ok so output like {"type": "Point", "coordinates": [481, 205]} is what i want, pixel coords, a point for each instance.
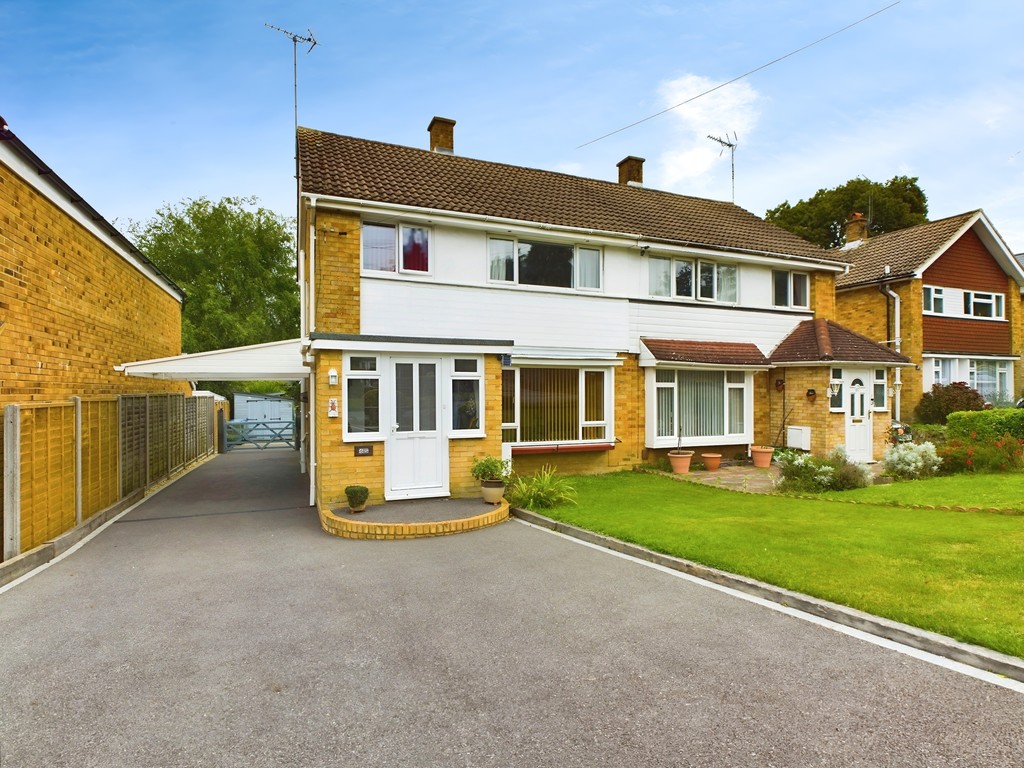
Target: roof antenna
{"type": "Point", "coordinates": [296, 39]}
{"type": "Point", "coordinates": [732, 151]}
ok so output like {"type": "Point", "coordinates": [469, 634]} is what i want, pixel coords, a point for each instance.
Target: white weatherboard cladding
{"type": "Point", "coordinates": [702, 323]}
{"type": "Point", "coordinates": [527, 317]}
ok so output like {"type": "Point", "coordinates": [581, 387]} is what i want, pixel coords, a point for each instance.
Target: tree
{"type": "Point", "coordinates": [235, 262]}
{"type": "Point", "coordinates": [896, 204]}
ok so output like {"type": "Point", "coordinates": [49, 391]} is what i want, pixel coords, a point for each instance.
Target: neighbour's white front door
{"type": "Point", "coordinates": [858, 415]}
{"type": "Point", "coordinates": [416, 450]}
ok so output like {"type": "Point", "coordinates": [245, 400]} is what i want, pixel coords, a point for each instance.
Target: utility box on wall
{"type": "Point", "coordinates": [798, 437]}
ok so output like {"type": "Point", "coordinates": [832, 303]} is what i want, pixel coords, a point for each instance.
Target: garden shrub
{"type": "Point", "coordinates": [909, 461]}
{"type": "Point", "coordinates": [986, 425]}
{"type": "Point", "coordinates": [944, 399]}
{"type": "Point", "coordinates": [935, 434]}
{"type": "Point", "coordinates": [804, 473]}
{"type": "Point", "coordinates": [982, 454]}
{"type": "Point", "coordinates": [540, 491]}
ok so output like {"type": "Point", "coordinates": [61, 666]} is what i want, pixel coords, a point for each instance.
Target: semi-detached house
{"type": "Point", "coordinates": [454, 308]}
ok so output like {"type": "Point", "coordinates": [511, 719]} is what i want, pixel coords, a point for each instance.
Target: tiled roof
{"type": "Point", "coordinates": [706, 352]}
{"type": "Point", "coordinates": [342, 166]}
{"type": "Point", "coordinates": [904, 251]}
{"type": "Point", "coordinates": [820, 341]}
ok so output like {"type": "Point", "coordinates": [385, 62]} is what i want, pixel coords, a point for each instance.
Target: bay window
{"type": "Point", "coordinates": [556, 405]}
{"type": "Point", "coordinates": [991, 378]}
{"type": "Point", "coordinates": [700, 406]}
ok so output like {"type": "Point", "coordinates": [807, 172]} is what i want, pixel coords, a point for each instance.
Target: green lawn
{"type": "Point", "coordinates": [1003, 491]}
{"type": "Point", "coordinates": [960, 574]}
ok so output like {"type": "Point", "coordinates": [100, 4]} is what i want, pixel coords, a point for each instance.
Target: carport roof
{"type": "Point", "coordinates": [274, 361]}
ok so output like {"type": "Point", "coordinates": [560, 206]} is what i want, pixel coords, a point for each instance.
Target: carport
{"type": "Point", "coordinates": [273, 361]}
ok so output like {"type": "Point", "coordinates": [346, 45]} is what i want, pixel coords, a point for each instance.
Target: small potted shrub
{"type": "Point", "coordinates": [357, 496]}
{"type": "Point", "coordinates": [493, 474]}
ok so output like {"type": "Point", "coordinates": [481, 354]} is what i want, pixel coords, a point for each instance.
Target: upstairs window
{"type": "Point", "coordinates": [978, 304]}
{"type": "Point", "coordinates": [396, 248]}
{"type": "Point", "coordinates": [554, 265]}
{"type": "Point", "coordinates": [934, 299]}
{"type": "Point", "coordinates": [791, 289]}
{"type": "Point", "coordinates": [693, 279]}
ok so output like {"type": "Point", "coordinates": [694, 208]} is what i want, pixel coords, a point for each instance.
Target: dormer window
{"type": "Point", "coordinates": [396, 248]}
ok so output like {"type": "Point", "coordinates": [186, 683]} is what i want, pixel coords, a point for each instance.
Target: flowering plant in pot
{"type": "Point", "coordinates": [493, 474]}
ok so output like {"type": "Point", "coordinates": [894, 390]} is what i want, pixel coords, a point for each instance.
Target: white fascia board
{"type": "Point", "coordinates": [275, 361]}
{"type": "Point", "coordinates": [409, 348]}
{"type": "Point", "coordinates": [31, 176]}
{"type": "Point", "coordinates": [498, 225]}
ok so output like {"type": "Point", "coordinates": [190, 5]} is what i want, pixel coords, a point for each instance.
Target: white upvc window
{"type": "Point", "coordinates": [934, 300]}
{"type": "Point", "coordinates": [683, 278]}
{"type": "Point", "coordinates": [991, 378]}
{"type": "Point", "coordinates": [699, 407]}
{"type": "Point", "coordinates": [361, 392]}
{"type": "Point", "coordinates": [542, 263]}
{"type": "Point", "coordinates": [879, 400]}
{"type": "Point", "coordinates": [982, 304]}
{"type": "Point", "coordinates": [942, 370]}
{"type": "Point", "coordinates": [395, 248]}
{"type": "Point", "coordinates": [467, 397]}
{"type": "Point", "coordinates": [791, 289]}
{"type": "Point", "coordinates": [835, 402]}
{"type": "Point", "coordinates": [548, 405]}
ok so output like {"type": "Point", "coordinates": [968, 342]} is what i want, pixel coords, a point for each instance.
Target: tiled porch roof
{"type": "Point", "coordinates": [705, 352]}
{"type": "Point", "coordinates": [820, 341]}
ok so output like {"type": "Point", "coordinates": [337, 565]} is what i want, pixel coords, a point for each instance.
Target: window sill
{"type": "Point", "coordinates": [527, 450]}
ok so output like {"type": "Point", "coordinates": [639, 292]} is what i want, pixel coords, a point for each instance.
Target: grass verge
{"type": "Point", "coordinates": [955, 573]}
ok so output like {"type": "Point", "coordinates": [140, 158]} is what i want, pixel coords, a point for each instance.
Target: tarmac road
{"type": "Point", "coordinates": [216, 625]}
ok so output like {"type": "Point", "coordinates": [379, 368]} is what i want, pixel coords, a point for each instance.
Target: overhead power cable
{"type": "Point", "coordinates": [739, 77]}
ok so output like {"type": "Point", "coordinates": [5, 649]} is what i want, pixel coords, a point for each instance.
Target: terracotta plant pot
{"type": "Point", "coordinates": [712, 461]}
{"type": "Point", "coordinates": [680, 461]}
{"type": "Point", "coordinates": [762, 455]}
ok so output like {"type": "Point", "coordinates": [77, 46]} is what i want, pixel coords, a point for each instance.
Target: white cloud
{"type": "Point", "coordinates": [692, 165]}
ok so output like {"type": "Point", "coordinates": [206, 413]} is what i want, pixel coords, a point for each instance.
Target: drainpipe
{"type": "Point", "coordinates": [897, 383]}
{"type": "Point", "coordinates": [311, 242]}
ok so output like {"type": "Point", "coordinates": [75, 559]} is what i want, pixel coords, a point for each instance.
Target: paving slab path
{"type": "Point", "coordinates": [217, 626]}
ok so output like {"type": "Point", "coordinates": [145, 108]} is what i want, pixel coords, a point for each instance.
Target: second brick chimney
{"type": "Point", "coordinates": [442, 135]}
{"type": "Point", "coordinates": [631, 171]}
{"type": "Point", "coordinates": [856, 228]}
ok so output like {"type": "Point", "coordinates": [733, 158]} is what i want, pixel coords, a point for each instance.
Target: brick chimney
{"type": "Point", "coordinates": [442, 135]}
{"type": "Point", "coordinates": [856, 228]}
{"type": "Point", "coordinates": [631, 171]}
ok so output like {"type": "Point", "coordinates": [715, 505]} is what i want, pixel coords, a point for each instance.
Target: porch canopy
{"type": "Point", "coordinates": [273, 361]}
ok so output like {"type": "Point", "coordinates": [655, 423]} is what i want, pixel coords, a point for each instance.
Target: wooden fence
{"type": "Point", "coordinates": [64, 463]}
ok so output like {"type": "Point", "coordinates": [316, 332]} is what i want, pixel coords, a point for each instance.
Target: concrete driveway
{"type": "Point", "coordinates": [216, 625]}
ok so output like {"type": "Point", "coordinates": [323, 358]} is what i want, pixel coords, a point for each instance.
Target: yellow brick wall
{"type": "Point", "coordinates": [823, 295]}
{"type": "Point", "coordinates": [72, 307]}
{"type": "Point", "coordinates": [792, 407]}
{"type": "Point", "coordinates": [1013, 314]}
{"type": "Point", "coordinates": [336, 263]}
{"type": "Point", "coordinates": [864, 310]}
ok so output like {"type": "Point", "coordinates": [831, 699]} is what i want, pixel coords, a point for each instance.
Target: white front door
{"type": "Point", "coordinates": [858, 415]}
{"type": "Point", "coordinates": [416, 450]}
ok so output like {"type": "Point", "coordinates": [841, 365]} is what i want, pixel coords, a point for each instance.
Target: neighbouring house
{"type": "Point", "coordinates": [76, 297]}
{"type": "Point", "coordinates": [455, 308]}
{"type": "Point", "coordinates": [947, 294]}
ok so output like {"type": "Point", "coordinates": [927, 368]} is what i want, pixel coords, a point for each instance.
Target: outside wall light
{"type": "Point", "coordinates": [833, 388]}
{"type": "Point", "coordinates": [332, 377]}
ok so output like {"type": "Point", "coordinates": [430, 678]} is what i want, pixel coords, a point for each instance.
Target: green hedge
{"type": "Point", "coordinates": [986, 425]}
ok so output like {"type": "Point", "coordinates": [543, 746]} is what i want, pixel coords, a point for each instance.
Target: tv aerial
{"type": "Point", "coordinates": [731, 146]}
{"type": "Point", "coordinates": [296, 39]}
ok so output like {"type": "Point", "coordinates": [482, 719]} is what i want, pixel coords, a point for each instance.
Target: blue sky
{"type": "Point", "coordinates": [138, 104]}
